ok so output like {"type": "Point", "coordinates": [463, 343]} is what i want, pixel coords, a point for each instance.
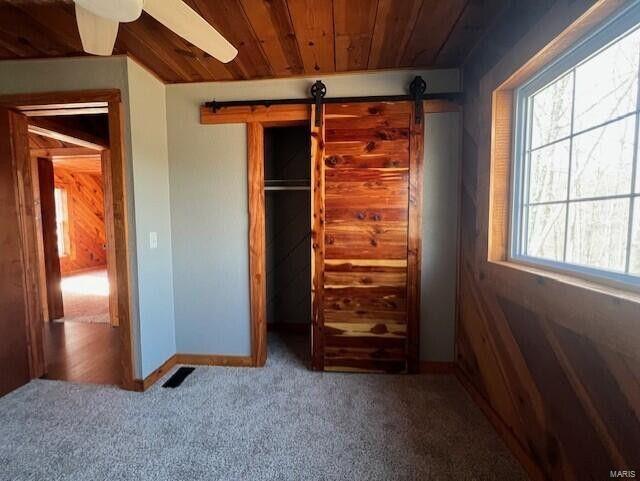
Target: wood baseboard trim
{"type": "Point", "coordinates": [144, 384]}
{"type": "Point", "coordinates": [214, 360]}
{"type": "Point", "coordinates": [503, 430]}
{"type": "Point", "coordinates": [437, 367]}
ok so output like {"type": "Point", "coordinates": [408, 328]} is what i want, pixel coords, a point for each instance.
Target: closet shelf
{"type": "Point", "coordinates": [287, 184]}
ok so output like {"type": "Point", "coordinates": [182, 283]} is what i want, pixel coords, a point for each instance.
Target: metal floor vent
{"type": "Point", "coordinates": [178, 377]}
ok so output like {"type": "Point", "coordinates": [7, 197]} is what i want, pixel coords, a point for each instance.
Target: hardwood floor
{"type": "Point", "coordinates": [82, 352]}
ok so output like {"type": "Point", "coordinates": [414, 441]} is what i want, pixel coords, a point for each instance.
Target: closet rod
{"type": "Point", "coordinates": [287, 187]}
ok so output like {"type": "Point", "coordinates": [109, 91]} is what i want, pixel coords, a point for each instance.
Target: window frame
{"type": "Point", "coordinates": [594, 42]}
{"type": "Point", "coordinates": [64, 222]}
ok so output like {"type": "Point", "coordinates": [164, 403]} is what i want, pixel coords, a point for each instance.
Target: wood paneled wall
{"type": "Point", "coordinates": [557, 362]}
{"type": "Point", "coordinates": [85, 198]}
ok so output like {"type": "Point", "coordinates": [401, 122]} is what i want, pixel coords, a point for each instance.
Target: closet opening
{"type": "Point", "coordinates": [287, 165]}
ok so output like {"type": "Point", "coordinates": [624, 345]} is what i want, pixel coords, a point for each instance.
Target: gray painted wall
{"type": "Point", "coordinates": [440, 234]}
{"type": "Point", "coordinates": [209, 221]}
{"type": "Point", "coordinates": [209, 218]}
{"type": "Point", "coordinates": [148, 121]}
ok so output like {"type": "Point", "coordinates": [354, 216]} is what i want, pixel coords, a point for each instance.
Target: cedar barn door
{"type": "Point", "coordinates": [366, 204]}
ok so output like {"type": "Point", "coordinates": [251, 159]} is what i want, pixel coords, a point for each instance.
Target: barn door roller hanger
{"type": "Point", "coordinates": [417, 93]}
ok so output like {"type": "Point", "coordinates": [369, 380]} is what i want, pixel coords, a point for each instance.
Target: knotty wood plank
{"type": "Point", "coordinates": [387, 161]}
{"type": "Point", "coordinates": [229, 18]}
{"type": "Point", "coordinates": [385, 298]}
{"type": "Point", "coordinates": [313, 24]}
{"type": "Point", "coordinates": [353, 22]}
{"type": "Point", "coordinates": [395, 21]}
{"type": "Point", "coordinates": [366, 329]}
{"type": "Point", "coordinates": [339, 214]}
{"type": "Point", "coordinates": [365, 280]}
{"type": "Point", "coordinates": [400, 317]}
{"type": "Point", "coordinates": [350, 120]}
{"type": "Point", "coordinates": [366, 241]}
{"type": "Point", "coordinates": [432, 29]}
{"type": "Point", "coordinates": [359, 111]}
{"type": "Point", "coordinates": [355, 134]}
{"type": "Point", "coordinates": [273, 28]}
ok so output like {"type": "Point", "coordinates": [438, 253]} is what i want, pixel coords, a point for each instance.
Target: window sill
{"type": "Point", "coordinates": [577, 280]}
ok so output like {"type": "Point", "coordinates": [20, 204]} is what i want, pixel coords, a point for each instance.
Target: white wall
{"type": "Point", "coordinates": [209, 216]}
{"type": "Point", "coordinates": [148, 121]}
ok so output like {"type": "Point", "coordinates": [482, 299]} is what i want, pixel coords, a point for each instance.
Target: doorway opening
{"type": "Point", "coordinates": [288, 240]}
{"type": "Point", "coordinates": [64, 207]}
{"type": "Point", "coordinates": [80, 331]}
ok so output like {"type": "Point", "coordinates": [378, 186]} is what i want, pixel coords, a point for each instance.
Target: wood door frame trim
{"type": "Point", "coordinates": [414, 240]}
{"type": "Point", "coordinates": [256, 206]}
{"type": "Point", "coordinates": [317, 240]}
{"type": "Point", "coordinates": [119, 207]}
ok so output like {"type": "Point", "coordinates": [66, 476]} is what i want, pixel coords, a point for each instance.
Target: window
{"type": "Point", "coordinates": [62, 221]}
{"type": "Point", "coordinates": [576, 181]}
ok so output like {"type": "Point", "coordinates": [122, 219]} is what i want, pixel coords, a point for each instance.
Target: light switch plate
{"type": "Point", "coordinates": [153, 240]}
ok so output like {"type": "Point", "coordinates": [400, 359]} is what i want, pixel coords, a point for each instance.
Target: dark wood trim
{"type": "Point", "coordinates": [214, 360]}
{"type": "Point", "coordinates": [51, 256]}
{"type": "Point", "coordinates": [317, 242]}
{"type": "Point", "coordinates": [257, 248]}
{"type": "Point", "coordinates": [157, 374]}
{"type": "Point", "coordinates": [437, 367]}
{"type": "Point", "coordinates": [120, 240]}
{"type": "Point", "coordinates": [29, 101]}
{"type": "Point", "coordinates": [504, 431]}
{"type": "Point", "coordinates": [55, 112]}
{"type": "Point", "coordinates": [46, 127]}
{"type": "Point", "coordinates": [112, 273]}
{"type": "Point", "coordinates": [414, 240]}
{"type": "Point", "coordinates": [63, 152]}
{"type": "Point", "coordinates": [249, 114]}
{"type": "Point", "coordinates": [26, 216]}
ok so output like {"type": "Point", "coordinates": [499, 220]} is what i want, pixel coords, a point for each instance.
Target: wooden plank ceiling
{"type": "Point", "coordinates": [275, 38]}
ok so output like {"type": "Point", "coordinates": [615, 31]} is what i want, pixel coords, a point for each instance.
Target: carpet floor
{"type": "Point", "coordinates": [282, 422]}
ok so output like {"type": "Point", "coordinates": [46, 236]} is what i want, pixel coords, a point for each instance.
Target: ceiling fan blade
{"type": "Point", "coordinates": [117, 10]}
{"type": "Point", "coordinates": [179, 17]}
{"type": "Point", "coordinates": [98, 34]}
